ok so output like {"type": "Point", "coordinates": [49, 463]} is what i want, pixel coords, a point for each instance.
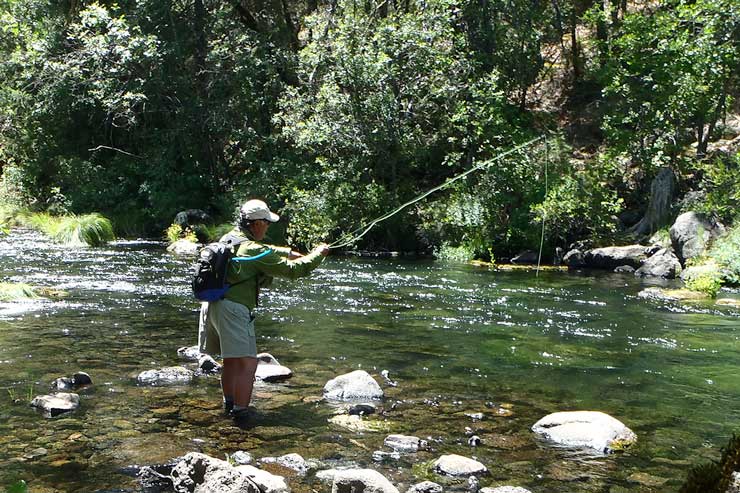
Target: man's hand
{"type": "Point", "coordinates": [323, 249]}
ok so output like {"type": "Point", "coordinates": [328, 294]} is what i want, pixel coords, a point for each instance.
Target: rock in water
{"type": "Point", "coordinates": [208, 364]}
{"type": "Point", "coordinates": [269, 370]}
{"type": "Point", "coordinates": [613, 257]}
{"type": "Point", "coordinates": [165, 376]}
{"type": "Point", "coordinates": [404, 443]}
{"type": "Point", "coordinates": [189, 353]}
{"type": "Point", "coordinates": [353, 386]}
{"type": "Point", "coordinates": [505, 489]}
{"type": "Point", "coordinates": [56, 404]}
{"type": "Point", "coordinates": [184, 247]}
{"type": "Point", "coordinates": [458, 466]}
{"type": "Point", "coordinates": [425, 487]}
{"type": "Point", "coordinates": [589, 429]}
{"type": "Point", "coordinates": [364, 480]}
{"type": "Point", "coordinates": [289, 461]}
{"type": "Point", "coordinates": [662, 264]}
{"type": "Point", "coordinates": [199, 472]}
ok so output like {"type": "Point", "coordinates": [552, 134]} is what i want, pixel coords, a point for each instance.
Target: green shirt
{"type": "Point", "coordinates": [247, 276]}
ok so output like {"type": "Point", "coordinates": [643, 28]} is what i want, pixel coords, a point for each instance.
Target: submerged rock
{"type": "Point", "coordinates": [625, 269]}
{"type": "Point", "coordinates": [661, 294]}
{"type": "Point", "coordinates": [290, 461]}
{"type": "Point", "coordinates": [589, 429]}
{"type": "Point", "coordinates": [353, 386]}
{"type": "Point", "coordinates": [459, 466]}
{"type": "Point", "coordinates": [165, 376]}
{"type": "Point", "coordinates": [691, 233]}
{"type": "Point", "coordinates": [364, 480]}
{"type": "Point", "coordinates": [269, 370]}
{"type": "Point", "coordinates": [663, 263]}
{"type": "Point", "coordinates": [404, 443]}
{"type": "Point", "coordinates": [357, 423]}
{"type": "Point", "coordinates": [505, 489]}
{"type": "Point", "coordinates": [362, 409]}
{"type": "Point", "coordinates": [425, 487]}
{"type": "Point", "coordinates": [56, 404]}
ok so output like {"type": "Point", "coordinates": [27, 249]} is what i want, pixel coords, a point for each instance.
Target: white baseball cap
{"type": "Point", "coordinates": [256, 209]}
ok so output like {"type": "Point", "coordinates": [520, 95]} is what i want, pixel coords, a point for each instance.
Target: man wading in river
{"type": "Point", "coordinates": [227, 326]}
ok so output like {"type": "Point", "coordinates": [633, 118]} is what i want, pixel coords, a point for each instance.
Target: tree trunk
{"type": "Point", "coordinates": [662, 190]}
{"type": "Point", "coordinates": [574, 46]}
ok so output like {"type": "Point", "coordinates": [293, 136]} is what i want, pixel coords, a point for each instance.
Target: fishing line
{"type": "Point", "coordinates": [352, 237]}
{"type": "Point", "coordinates": [544, 210]}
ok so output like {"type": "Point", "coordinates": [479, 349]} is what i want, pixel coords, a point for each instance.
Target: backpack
{"type": "Point", "coordinates": [209, 277]}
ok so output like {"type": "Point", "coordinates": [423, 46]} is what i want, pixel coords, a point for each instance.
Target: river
{"type": "Point", "coordinates": [457, 339]}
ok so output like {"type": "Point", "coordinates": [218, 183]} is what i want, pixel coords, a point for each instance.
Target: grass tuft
{"type": "Point", "coordinates": [16, 291]}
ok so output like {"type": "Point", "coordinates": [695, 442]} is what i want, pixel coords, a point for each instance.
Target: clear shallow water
{"type": "Point", "coordinates": [457, 339]}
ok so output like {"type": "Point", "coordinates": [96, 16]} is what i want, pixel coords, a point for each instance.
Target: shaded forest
{"type": "Point", "coordinates": [337, 112]}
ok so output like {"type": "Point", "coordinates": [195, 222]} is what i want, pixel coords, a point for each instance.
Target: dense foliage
{"type": "Point", "coordinates": [338, 112]}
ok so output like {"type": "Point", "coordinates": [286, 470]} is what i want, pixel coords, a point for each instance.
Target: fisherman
{"type": "Point", "coordinates": [227, 326]}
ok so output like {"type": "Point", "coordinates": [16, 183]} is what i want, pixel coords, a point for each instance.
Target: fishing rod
{"type": "Point", "coordinates": [354, 235]}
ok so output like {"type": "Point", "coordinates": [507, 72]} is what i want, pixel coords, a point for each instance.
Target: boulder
{"type": "Point", "coordinates": [691, 233]}
{"type": "Point", "coordinates": [613, 257]}
{"type": "Point", "coordinates": [152, 480]}
{"type": "Point", "coordinates": [624, 269]}
{"type": "Point", "coordinates": [356, 480]}
{"type": "Point", "coordinates": [290, 461]}
{"type": "Point", "coordinates": [208, 364]}
{"type": "Point", "coordinates": [189, 353]}
{"type": "Point", "coordinates": [458, 466]}
{"type": "Point", "coordinates": [526, 257]}
{"type": "Point", "coordinates": [200, 473]}
{"type": "Point", "coordinates": [585, 429]}
{"type": "Point", "coordinates": [268, 483]}
{"type": "Point", "coordinates": [425, 487]}
{"type": "Point", "coordinates": [165, 376]}
{"type": "Point", "coordinates": [190, 217]}
{"type": "Point", "coordinates": [56, 404]}
{"type": "Point", "coordinates": [269, 370]}
{"type": "Point", "coordinates": [77, 380]}
{"type": "Point", "coordinates": [404, 443]}
{"type": "Point", "coordinates": [574, 259]}
{"type": "Point", "coordinates": [663, 263]}
{"type": "Point", "coordinates": [184, 247]}
{"type": "Point", "coordinates": [505, 489]}
{"type": "Point", "coordinates": [356, 385]}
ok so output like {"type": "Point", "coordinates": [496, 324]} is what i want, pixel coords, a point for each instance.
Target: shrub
{"type": "Point", "coordinates": [725, 251]}
{"type": "Point", "coordinates": [175, 233]}
{"type": "Point", "coordinates": [715, 477]}
{"type": "Point", "coordinates": [704, 276]}
{"type": "Point", "coordinates": [455, 253]}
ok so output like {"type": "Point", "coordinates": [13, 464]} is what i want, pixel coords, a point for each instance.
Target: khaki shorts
{"type": "Point", "coordinates": [226, 328]}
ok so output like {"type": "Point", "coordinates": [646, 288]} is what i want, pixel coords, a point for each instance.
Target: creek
{"type": "Point", "coordinates": [458, 340]}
